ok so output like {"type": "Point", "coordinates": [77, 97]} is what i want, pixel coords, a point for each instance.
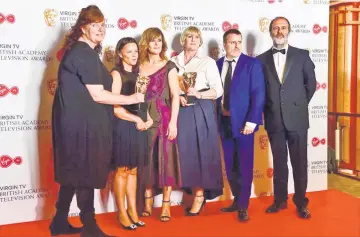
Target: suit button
{"type": "Point", "coordinates": [282, 103]}
{"type": "Point", "coordinates": [282, 90]}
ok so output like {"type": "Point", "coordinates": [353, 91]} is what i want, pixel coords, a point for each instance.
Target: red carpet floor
{"type": "Point", "coordinates": [333, 214]}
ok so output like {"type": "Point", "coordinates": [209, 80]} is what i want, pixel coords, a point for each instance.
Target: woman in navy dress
{"type": "Point", "coordinates": [199, 146]}
{"type": "Point", "coordinates": [82, 118]}
{"type": "Point", "coordinates": [130, 133]}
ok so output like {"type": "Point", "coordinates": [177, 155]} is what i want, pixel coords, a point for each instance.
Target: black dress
{"type": "Point", "coordinates": [82, 128]}
{"type": "Point", "coordinates": [130, 145]}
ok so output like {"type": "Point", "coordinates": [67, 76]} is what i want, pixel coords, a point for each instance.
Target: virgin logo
{"type": "Point", "coordinates": [9, 18]}
{"type": "Point", "coordinates": [4, 90]}
{"type": "Point", "coordinates": [317, 141]}
{"type": "Point", "coordinates": [317, 29]}
{"type": "Point", "coordinates": [320, 86]}
{"type": "Point", "coordinates": [174, 53]}
{"type": "Point", "coordinates": [227, 26]}
{"type": "Point", "coordinates": [6, 161]}
{"type": "Point", "coordinates": [273, 1]}
{"type": "Point", "coordinates": [123, 23]}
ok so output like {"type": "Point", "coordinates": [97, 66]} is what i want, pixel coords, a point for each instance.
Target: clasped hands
{"type": "Point", "coordinates": [171, 132]}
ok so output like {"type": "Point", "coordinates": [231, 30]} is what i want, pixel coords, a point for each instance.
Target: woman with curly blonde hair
{"type": "Point", "coordinates": [162, 96]}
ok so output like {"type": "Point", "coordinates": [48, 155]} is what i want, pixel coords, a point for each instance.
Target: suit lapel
{"type": "Point", "coordinates": [271, 64]}
{"type": "Point", "coordinates": [289, 62]}
{"type": "Point", "coordinates": [239, 65]}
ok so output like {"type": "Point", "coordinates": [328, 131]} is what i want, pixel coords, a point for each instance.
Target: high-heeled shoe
{"type": "Point", "coordinates": [164, 218]}
{"type": "Point", "coordinates": [147, 213]}
{"type": "Point", "coordinates": [202, 207]}
{"type": "Point", "coordinates": [129, 227]}
{"type": "Point", "coordinates": [138, 224]}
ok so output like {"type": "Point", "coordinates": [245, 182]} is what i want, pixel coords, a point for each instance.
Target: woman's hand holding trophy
{"type": "Point", "coordinates": [187, 83]}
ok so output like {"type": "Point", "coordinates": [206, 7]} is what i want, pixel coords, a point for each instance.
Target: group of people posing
{"type": "Point", "coordinates": [166, 137]}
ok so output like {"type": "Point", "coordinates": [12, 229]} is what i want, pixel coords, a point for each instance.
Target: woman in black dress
{"type": "Point", "coordinates": [130, 135]}
{"type": "Point", "coordinates": [82, 120]}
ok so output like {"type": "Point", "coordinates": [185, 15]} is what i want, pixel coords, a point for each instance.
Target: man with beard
{"type": "Point", "coordinates": [290, 85]}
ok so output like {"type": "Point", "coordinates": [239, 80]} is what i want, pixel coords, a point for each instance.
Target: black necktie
{"type": "Point", "coordinates": [227, 84]}
{"type": "Point", "coordinates": [278, 51]}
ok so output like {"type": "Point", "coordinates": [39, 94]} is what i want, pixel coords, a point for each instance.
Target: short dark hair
{"type": "Point", "coordinates": [119, 46]}
{"type": "Point", "coordinates": [277, 18]}
{"type": "Point", "coordinates": [231, 31]}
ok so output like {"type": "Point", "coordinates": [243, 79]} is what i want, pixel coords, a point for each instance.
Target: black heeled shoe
{"type": "Point", "coordinates": [147, 213]}
{"type": "Point", "coordinates": [138, 224]}
{"type": "Point", "coordinates": [202, 207]}
{"type": "Point", "coordinates": [165, 218]}
{"type": "Point", "coordinates": [130, 227]}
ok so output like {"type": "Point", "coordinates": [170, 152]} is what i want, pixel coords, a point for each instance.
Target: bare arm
{"type": "Point", "coordinates": [121, 112]}
{"type": "Point", "coordinates": [175, 98]}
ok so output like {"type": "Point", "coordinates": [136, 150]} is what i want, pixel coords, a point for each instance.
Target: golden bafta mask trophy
{"type": "Point", "coordinates": [141, 85]}
{"type": "Point", "coordinates": [186, 81]}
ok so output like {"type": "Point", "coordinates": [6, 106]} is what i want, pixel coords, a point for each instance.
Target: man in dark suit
{"type": "Point", "coordinates": [239, 113]}
{"type": "Point", "coordinates": [290, 85]}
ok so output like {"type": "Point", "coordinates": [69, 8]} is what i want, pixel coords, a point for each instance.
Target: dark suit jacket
{"type": "Point", "coordinates": [287, 103]}
{"type": "Point", "coordinates": [247, 95]}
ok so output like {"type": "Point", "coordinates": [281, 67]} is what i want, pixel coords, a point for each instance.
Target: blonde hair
{"type": "Point", "coordinates": [149, 35]}
{"type": "Point", "coordinates": [188, 31]}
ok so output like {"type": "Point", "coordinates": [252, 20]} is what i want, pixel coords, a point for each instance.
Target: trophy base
{"type": "Point", "coordinates": [191, 100]}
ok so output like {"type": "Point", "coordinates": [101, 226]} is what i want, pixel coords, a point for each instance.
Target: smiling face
{"type": "Point", "coordinates": [280, 32]}
{"type": "Point", "coordinates": [192, 42]}
{"type": "Point", "coordinates": [95, 32]}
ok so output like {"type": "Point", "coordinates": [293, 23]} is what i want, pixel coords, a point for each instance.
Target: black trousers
{"type": "Point", "coordinates": [85, 202]}
{"type": "Point", "coordinates": [296, 143]}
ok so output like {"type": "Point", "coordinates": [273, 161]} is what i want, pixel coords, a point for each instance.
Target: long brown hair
{"type": "Point", "coordinates": [87, 16]}
{"type": "Point", "coordinates": [149, 35]}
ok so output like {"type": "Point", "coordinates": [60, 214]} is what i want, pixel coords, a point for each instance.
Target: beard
{"type": "Point", "coordinates": [279, 40]}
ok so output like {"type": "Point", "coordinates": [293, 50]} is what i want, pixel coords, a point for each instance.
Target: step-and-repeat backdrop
{"type": "Point", "coordinates": [31, 37]}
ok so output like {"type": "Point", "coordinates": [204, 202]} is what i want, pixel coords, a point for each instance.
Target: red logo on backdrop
{"type": "Point", "coordinates": [320, 85]}
{"type": "Point", "coordinates": [227, 26]}
{"type": "Point", "coordinates": [123, 23]}
{"type": "Point", "coordinates": [317, 29]}
{"type": "Point", "coordinates": [6, 161]}
{"type": "Point", "coordinates": [9, 18]}
{"type": "Point", "coordinates": [174, 53]}
{"type": "Point", "coordinates": [273, 1]}
{"type": "Point", "coordinates": [270, 173]}
{"type": "Point", "coordinates": [317, 141]}
{"type": "Point", "coordinates": [263, 141]}
{"type": "Point", "coordinates": [4, 90]}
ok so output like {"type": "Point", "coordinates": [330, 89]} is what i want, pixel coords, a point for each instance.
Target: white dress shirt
{"type": "Point", "coordinates": [279, 61]}
{"type": "Point", "coordinates": [223, 75]}
{"type": "Point", "coordinates": [207, 72]}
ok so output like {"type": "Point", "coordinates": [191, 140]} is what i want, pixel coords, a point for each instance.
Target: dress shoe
{"type": "Point", "coordinates": [276, 207]}
{"type": "Point", "coordinates": [243, 215]}
{"type": "Point", "coordinates": [61, 226]}
{"type": "Point", "coordinates": [230, 208]}
{"type": "Point", "coordinates": [304, 213]}
{"type": "Point", "coordinates": [68, 230]}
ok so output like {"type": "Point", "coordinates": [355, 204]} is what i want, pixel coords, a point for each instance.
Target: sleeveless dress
{"type": "Point", "coordinates": [163, 168]}
{"type": "Point", "coordinates": [130, 146]}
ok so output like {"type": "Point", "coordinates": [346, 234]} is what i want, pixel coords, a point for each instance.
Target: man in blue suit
{"type": "Point", "coordinates": [239, 113]}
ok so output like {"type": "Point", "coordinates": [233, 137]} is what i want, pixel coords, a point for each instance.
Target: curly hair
{"type": "Point", "coordinates": [149, 35]}
{"type": "Point", "coordinates": [119, 46]}
{"type": "Point", "coordinates": [87, 16]}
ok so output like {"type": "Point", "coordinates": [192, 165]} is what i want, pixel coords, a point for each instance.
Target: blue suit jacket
{"type": "Point", "coordinates": [247, 95]}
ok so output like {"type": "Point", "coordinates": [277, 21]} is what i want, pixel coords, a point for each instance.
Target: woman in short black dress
{"type": "Point", "coordinates": [130, 133]}
{"type": "Point", "coordinates": [82, 120]}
